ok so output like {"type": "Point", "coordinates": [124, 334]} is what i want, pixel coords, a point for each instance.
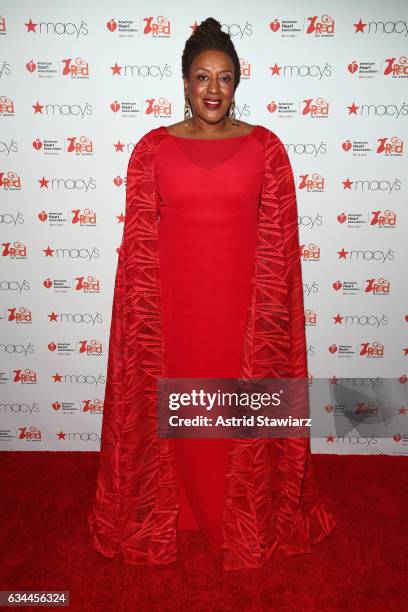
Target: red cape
{"type": "Point", "coordinates": [272, 505]}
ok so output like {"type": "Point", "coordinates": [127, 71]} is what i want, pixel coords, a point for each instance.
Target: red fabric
{"type": "Point", "coordinates": [206, 250]}
{"type": "Point", "coordinates": [203, 197]}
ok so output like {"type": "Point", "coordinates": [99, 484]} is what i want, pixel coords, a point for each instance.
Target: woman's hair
{"type": "Point", "coordinates": [208, 35]}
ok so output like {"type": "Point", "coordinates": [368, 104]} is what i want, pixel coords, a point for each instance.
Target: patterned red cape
{"type": "Point", "coordinates": [272, 507]}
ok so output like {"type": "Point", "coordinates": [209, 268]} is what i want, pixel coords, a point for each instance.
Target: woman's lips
{"type": "Point", "coordinates": [212, 105]}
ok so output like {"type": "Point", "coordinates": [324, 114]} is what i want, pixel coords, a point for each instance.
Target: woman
{"type": "Point", "coordinates": [208, 284]}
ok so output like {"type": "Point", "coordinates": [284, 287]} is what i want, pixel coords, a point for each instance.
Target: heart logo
{"type": "Point", "coordinates": [397, 437]}
{"type": "Point", "coordinates": [52, 346]}
{"type": "Point", "coordinates": [118, 181]}
{"type": "Point", "coordinates": [346, 145]}
{"type": "Point", "coordinates": [272, 106]}
{"type": "Point", "coordinates": [274, 25]}
{"type": "Point", "coordinates": [329, 407]}
{"type": "Point", "coordinates": [31, 66]}
{"type": "Point", "coordinates": [37, 144]}
{"type": "Point", "coordinates": [115, 106]}
{"type": "Point", "coordinates": [112, 25]}
{"type": "Point", "coordinates": [56, 405]}
{"type": "Point", "coordinates": [333, 348]}
{"type": "Point", "coordinates": [337, 285]}
{"type": "Point", "coordinates": [47, 283]}
{"type": "Point", "coordinates": [42, 216]}
{"type": "Point", "coordinates": [403, 379]}
{"type": "Point", "coordinates": [341, 218]}
{"type": "Point", "coordinates": [353, 67]}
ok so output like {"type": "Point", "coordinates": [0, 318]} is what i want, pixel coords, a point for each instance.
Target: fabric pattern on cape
{"type": "Point", "coordinates": [272, 507]}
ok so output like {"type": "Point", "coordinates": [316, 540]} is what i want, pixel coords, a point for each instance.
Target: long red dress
{"type": "Point", "coordinates": [208, 285]}
{"type": "Point", "coordinates": [207, 240]}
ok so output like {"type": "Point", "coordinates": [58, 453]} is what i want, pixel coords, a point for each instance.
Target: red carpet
{"type": "Point", "coordinates": [362, 565]}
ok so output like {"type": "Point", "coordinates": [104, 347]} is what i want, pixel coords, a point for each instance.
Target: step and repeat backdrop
{"type": "Point", "coordinates": [81, 83]}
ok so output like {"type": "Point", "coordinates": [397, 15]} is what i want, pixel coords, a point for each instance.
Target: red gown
{"type": "Point", "coordinates": [209, 197]}
{"type": "Point", "coordinates": [208, 284]}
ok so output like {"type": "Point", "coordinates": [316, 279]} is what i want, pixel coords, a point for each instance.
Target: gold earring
{"type": "Point", "coordinates": [234, 121]}
{"type": "Point", "coordinates": [187, 111]}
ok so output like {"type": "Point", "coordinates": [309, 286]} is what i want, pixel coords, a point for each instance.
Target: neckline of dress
{"type": "Point", "coordinates": [211, 139]}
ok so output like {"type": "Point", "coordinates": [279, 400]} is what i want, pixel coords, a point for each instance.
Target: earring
{"type": "Point", "coordinates": [234, 121]}
{"type": "Point", "coordinates": [187, 111]}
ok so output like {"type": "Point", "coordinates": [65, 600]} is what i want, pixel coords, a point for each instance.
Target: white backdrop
{"type": "Point", "coordinates": [80, 84]}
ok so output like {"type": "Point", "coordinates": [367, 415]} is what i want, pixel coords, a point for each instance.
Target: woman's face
{"type": "Point", "coordinates": [211, 78]}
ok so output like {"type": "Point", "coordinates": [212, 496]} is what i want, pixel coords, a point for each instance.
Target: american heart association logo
{"type": "Point", "coordinates": [111, 25]}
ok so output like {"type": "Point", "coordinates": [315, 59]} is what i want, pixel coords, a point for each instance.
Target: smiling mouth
{"type": "Point", "coordinates": [212, 104]}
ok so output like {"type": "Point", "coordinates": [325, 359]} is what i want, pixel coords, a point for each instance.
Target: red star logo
{"type": "Point", "coordinates": [53, 316]}
{"type": "Point", "coordinates": [402, 410]}
{"type": "Point", "coordinates": [38, 107]}
{"type": "Point", "coordinates": [31, 26]}
{"type": "Point", "coordinates": [57, 377]}
{"type": "Point", "coordinates": [116, 69]}
{"type": "Point", "coordinates": [338, 318]}
{"type": "Point", "coordinates": [330, 438]}
{"type": "Point", "coordinates": [44, 182]}
{"type": "Point", "coordinates": [120, 218]}
{"type": "Point", "coordinates": [193, 27]}
{"type": "Point", "coordinates": [48, 251]}
{"type": "Point", "coordinates": [119, 146]}
{"type": "Point", "coordinates": [61, 435]}
{"type": "Point", "coordinates": [275, 69]}
{"type": "Point", "coordinates": [353, 109]}
{"type": "Point", "coordinates": [342, 254]}
{"type": "Point", "coordinates": [347, 183]}
{"type": "Point", "coordinates": [359, 26]}
{"type": "Point", "coordinates": [333, 380]}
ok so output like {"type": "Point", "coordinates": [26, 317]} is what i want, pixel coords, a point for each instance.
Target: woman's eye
{"type": "Point", "coordinates": [226, 79]}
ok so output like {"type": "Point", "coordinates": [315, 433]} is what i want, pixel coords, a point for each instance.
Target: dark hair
{"type": "Point", "coordinates": [208, 35]}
